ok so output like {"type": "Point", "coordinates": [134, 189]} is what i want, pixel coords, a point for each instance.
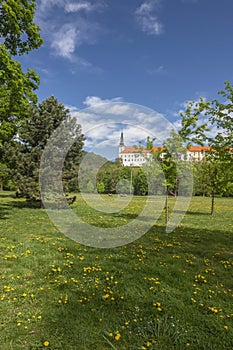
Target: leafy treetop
{"type": "Point", "coordinates": [17, 28]}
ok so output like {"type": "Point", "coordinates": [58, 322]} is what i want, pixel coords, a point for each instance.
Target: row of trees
{"type": "Point", "coordinates": [159, 176]}
{"type": "Point", "coordinates": [26, 126]}
{"type": "Point", "coordinates": [23, 159]}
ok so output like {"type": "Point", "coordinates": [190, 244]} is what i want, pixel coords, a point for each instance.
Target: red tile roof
{"type": "Point", "coordinates": [135, 150]}
{"type": "Point", "coordinates": [198, 148]}
{"type": "Point", "coordinates": [160, 148]}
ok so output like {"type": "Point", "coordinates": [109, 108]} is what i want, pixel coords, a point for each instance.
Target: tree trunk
{"type": "Point", "coordinates": [166, 207]}
{"type": "Point", "coordinates": [176, 188]}
{"type": "Point", "coordinates": [212, 203]}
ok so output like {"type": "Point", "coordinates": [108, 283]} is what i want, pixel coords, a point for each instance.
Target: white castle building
{"type": "Point", "coordinates": [132, 156]}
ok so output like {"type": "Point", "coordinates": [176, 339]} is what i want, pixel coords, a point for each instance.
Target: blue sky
{"type": "Point", "coordinates": [155, 53]}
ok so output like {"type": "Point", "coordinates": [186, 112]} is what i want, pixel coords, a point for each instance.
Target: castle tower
{"type": "Point", "coordinates": [122, 144]}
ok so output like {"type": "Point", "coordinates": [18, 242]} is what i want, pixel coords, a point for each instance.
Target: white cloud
{"type": "Point", "coordinates": [65, 25]}
{"type": "Point", "coordinates": [64, 41]}
{"type": "Point", "coordinates": [91, 101]}
{"type": "Point", "coordinates": [103, 120]}
{"type": "Point", "coordinates": [145, 8]}
{"type": "Point", "coordinates": [109, 107]}
{"type": "Point", "coordinates": [147, 18]}
{"type": "Point", "coordinates": [114, 106]}
{"type": "Point", "coordinates": [45, 6]}
{"type": "Point", "coordinates": [80, 6]}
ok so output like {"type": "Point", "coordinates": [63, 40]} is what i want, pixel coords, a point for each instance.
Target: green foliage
{"type": "Point", "coordinates": [109, 174]}
{"type": "Point", "coordinates": [100, 187]}
{"type": "Point", "coordinates": [172, 159]}
{"type": "Point", "coordinates": [140, 183]}
{"type": "Point", "coordinates": [90, 187]}
{"type": "Point", "coordinates": [3, 175]}
{"type": "Point", "coordinates": [154, 177]}
{"type": "Point", "coordinates": [220, 115]}
{"type": "Point", "coordinates": [24, 154]}
{"type": "Point", "coordinates": [125, 180]}
{"type": "Point", "coordinates": [17, 28]}
{"type": "Point", "coordinates": [16, 93]}
{"type": "Point", "coordinates": [19, 35]}
{"type": "Point", "coordinates": [90, 167]}
{"type": "Point", "coordinates": [124, 186]}
{"type": "Point", "coordinates": [150, 142]}
{"type": "Point", "coordinates": [212, 176]}
{"type": "Point", "coordinates": [190, 130]}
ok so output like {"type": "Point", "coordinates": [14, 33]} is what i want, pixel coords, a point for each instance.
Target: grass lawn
{"type": "Point", "coordinates": [163, 291]}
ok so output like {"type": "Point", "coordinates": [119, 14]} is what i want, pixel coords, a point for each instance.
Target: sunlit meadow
{"type": "Point", "coordinates": [163, 291]}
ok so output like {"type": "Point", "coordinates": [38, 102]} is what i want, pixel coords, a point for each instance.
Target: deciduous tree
{"type": "Point", "coordinates": [217, 113]}
{"type": "Point", "coordinates": [19, 35]}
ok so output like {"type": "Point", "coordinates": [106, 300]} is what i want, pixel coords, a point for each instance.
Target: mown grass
{"type": "Point", "coordinates": [163, 291]}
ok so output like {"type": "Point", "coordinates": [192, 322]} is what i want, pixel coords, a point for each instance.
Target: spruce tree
{"type": "Point", "coordinates": [25, 152]}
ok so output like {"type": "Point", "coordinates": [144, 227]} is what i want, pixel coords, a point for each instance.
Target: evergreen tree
{"type": "Point", "coordinates": [25, 152]}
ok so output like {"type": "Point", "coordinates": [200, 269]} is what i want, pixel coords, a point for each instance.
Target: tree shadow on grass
{"type": "Point", "coordinates": [22, 204]}
{"type": "Point", "coordinates": [6, 195]}
{"type": "Point", "coordinates": [77, 324]}
{"type": "Point", "coordinates": [4, 211]}
{"type": "Point", "coordinates": [192, 213]}
{"type": "Point", "coordinates": [127, 216]}
{"type": "Point", "coordinates": [9, 202]}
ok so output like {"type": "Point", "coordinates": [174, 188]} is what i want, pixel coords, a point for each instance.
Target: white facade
{"type": "Point", "coordinates": [134, 157]}
{"type": "Point", "coordinates": [137, 157]}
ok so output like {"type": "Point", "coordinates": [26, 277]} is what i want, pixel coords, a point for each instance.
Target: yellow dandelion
{"type": "Point", "coordinates": [46, 343]}
{"type": "Point", "coordinates": [117, 336]}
